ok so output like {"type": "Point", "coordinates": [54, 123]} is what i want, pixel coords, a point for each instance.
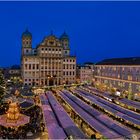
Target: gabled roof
{"type": "Point", "coordinates": [89, 63]}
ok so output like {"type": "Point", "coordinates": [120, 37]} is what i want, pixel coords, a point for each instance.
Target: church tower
{"type": "Point", "coordinates": [65, 44]}
{"type": "Point", "coordinates": [26, 43]}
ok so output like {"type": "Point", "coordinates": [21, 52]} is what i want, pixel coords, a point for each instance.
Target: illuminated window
{"type": "Point", "coordinates": [114, 68]}
{"type": "Point", "coordinates": [138, 87]}
{"type": "Point", "coordinates": [129, 77]}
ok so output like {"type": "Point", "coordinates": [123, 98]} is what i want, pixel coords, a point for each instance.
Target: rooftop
{"type": "Point", "coordinates": [26, 34]}
{"type": "Point", "coordinates": [120, 61]}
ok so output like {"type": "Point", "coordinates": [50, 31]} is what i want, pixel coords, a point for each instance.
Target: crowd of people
{"type": "Point", "coordinates": [35, 125]}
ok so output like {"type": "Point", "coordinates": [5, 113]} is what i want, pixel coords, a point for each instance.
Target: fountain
{"type": "Point", "coordinates": [13, 118]}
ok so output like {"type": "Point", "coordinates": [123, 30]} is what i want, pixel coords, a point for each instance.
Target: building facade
{"type": "Point", "coordinates": [12, 74]}
{"type": "Point", "coordinates": [84, 74]}
{"type": "Point", "coordinates": [121, 73]}
{"type": "Point", "coordinates": [50, 63]}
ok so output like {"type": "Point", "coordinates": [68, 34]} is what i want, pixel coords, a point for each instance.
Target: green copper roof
{"type": "Point", "coordinates": [64, 36]}
{"type": "Point", "coordinates": [26, 34]}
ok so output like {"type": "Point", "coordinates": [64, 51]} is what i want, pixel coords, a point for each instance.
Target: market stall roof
{"type": "Point", "coordinates": [20, 122]}
{"type": "Point", "coordinates": [28, 94]}
{"type": "Point", "coordinates": [26, 105]}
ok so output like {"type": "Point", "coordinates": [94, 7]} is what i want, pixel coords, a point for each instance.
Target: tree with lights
{"type": "Point", "coordinates": [130, 95]}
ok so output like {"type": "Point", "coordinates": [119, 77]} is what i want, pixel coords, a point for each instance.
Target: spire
{"type": "Point", "coordinates": [51, 32]}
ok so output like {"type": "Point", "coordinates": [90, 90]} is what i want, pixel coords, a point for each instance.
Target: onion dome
{"type": "Point", "coordinates": [26, 34]}
{"type": "Point", "coordinates": [64, 36]}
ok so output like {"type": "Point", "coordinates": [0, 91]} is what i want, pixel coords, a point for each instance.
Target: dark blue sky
{"type": "Point", "coordinates": [97, 30]}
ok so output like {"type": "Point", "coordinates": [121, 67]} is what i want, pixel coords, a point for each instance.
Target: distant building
{"type": "Point", "coordinates": [120, 73]}
{"type": "Point", "coordinates": [89, 64]}
{"type": "Point", "coordinates": [84, 74]}
{"type": "Point", "coordinates": [12, 74]}
{"type": "Point", "coordinates": [92, 66]}
{"type": "Point", "coordinates": [50, 63]}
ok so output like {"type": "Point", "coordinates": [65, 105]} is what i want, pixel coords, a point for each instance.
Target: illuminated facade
{"type": "Point", "coordinates": [84, 74]}
{"type": "Point", "coordinates": [13, 74]}
{"type": "Point", "coordinates": [120, 73]}
{"type": "Point", "coordinates": [49, 63]}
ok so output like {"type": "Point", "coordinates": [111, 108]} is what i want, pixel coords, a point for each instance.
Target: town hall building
{"type": "Point", "coordinates": [50, 63]}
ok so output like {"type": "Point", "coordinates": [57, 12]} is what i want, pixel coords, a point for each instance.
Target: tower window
{"type": "Point", "coordinates": [27, 51]}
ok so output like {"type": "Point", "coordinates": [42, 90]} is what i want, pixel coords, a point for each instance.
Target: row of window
{"type": "Point", "coordinates": [31, 80]}
{"type": "Point", "coordinates": [123, 77]}
{"type": "Point", "coordinates": [51, 55]}
{"type": "Point", "coordinates": [31, 66]}
{"type": "Point", "coordinates": [56, 67]}
{"type": "Point", "coordinates": [47, 74]}
{"type": "Point", "coordinates": [66, 73]}
{"type": "Point", "coordinates": [50, 49]}
{"type": "Point", "coordinates": [51, 52]}
{"type": "Point", "coordinates": [31, 84]}
{"type": "Point", "coordinates": [69, 60]}
{"type": "Point", "coordinates": [120, 69]}
{"type": "Point", "coordinates": [50, 63]}
{"type": "Point", "coordinates": [68, 79]}
{"type": "Point", "coordinates": [27, 42]}
{"type": "Point", "coordinates": [68, 66]}
{"type": "Point", "coordinates": [36, 66]}
{"type": "Point", "coordinates": [53, 60]}
{"type": "Point", "coordinates": [122, 85]}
